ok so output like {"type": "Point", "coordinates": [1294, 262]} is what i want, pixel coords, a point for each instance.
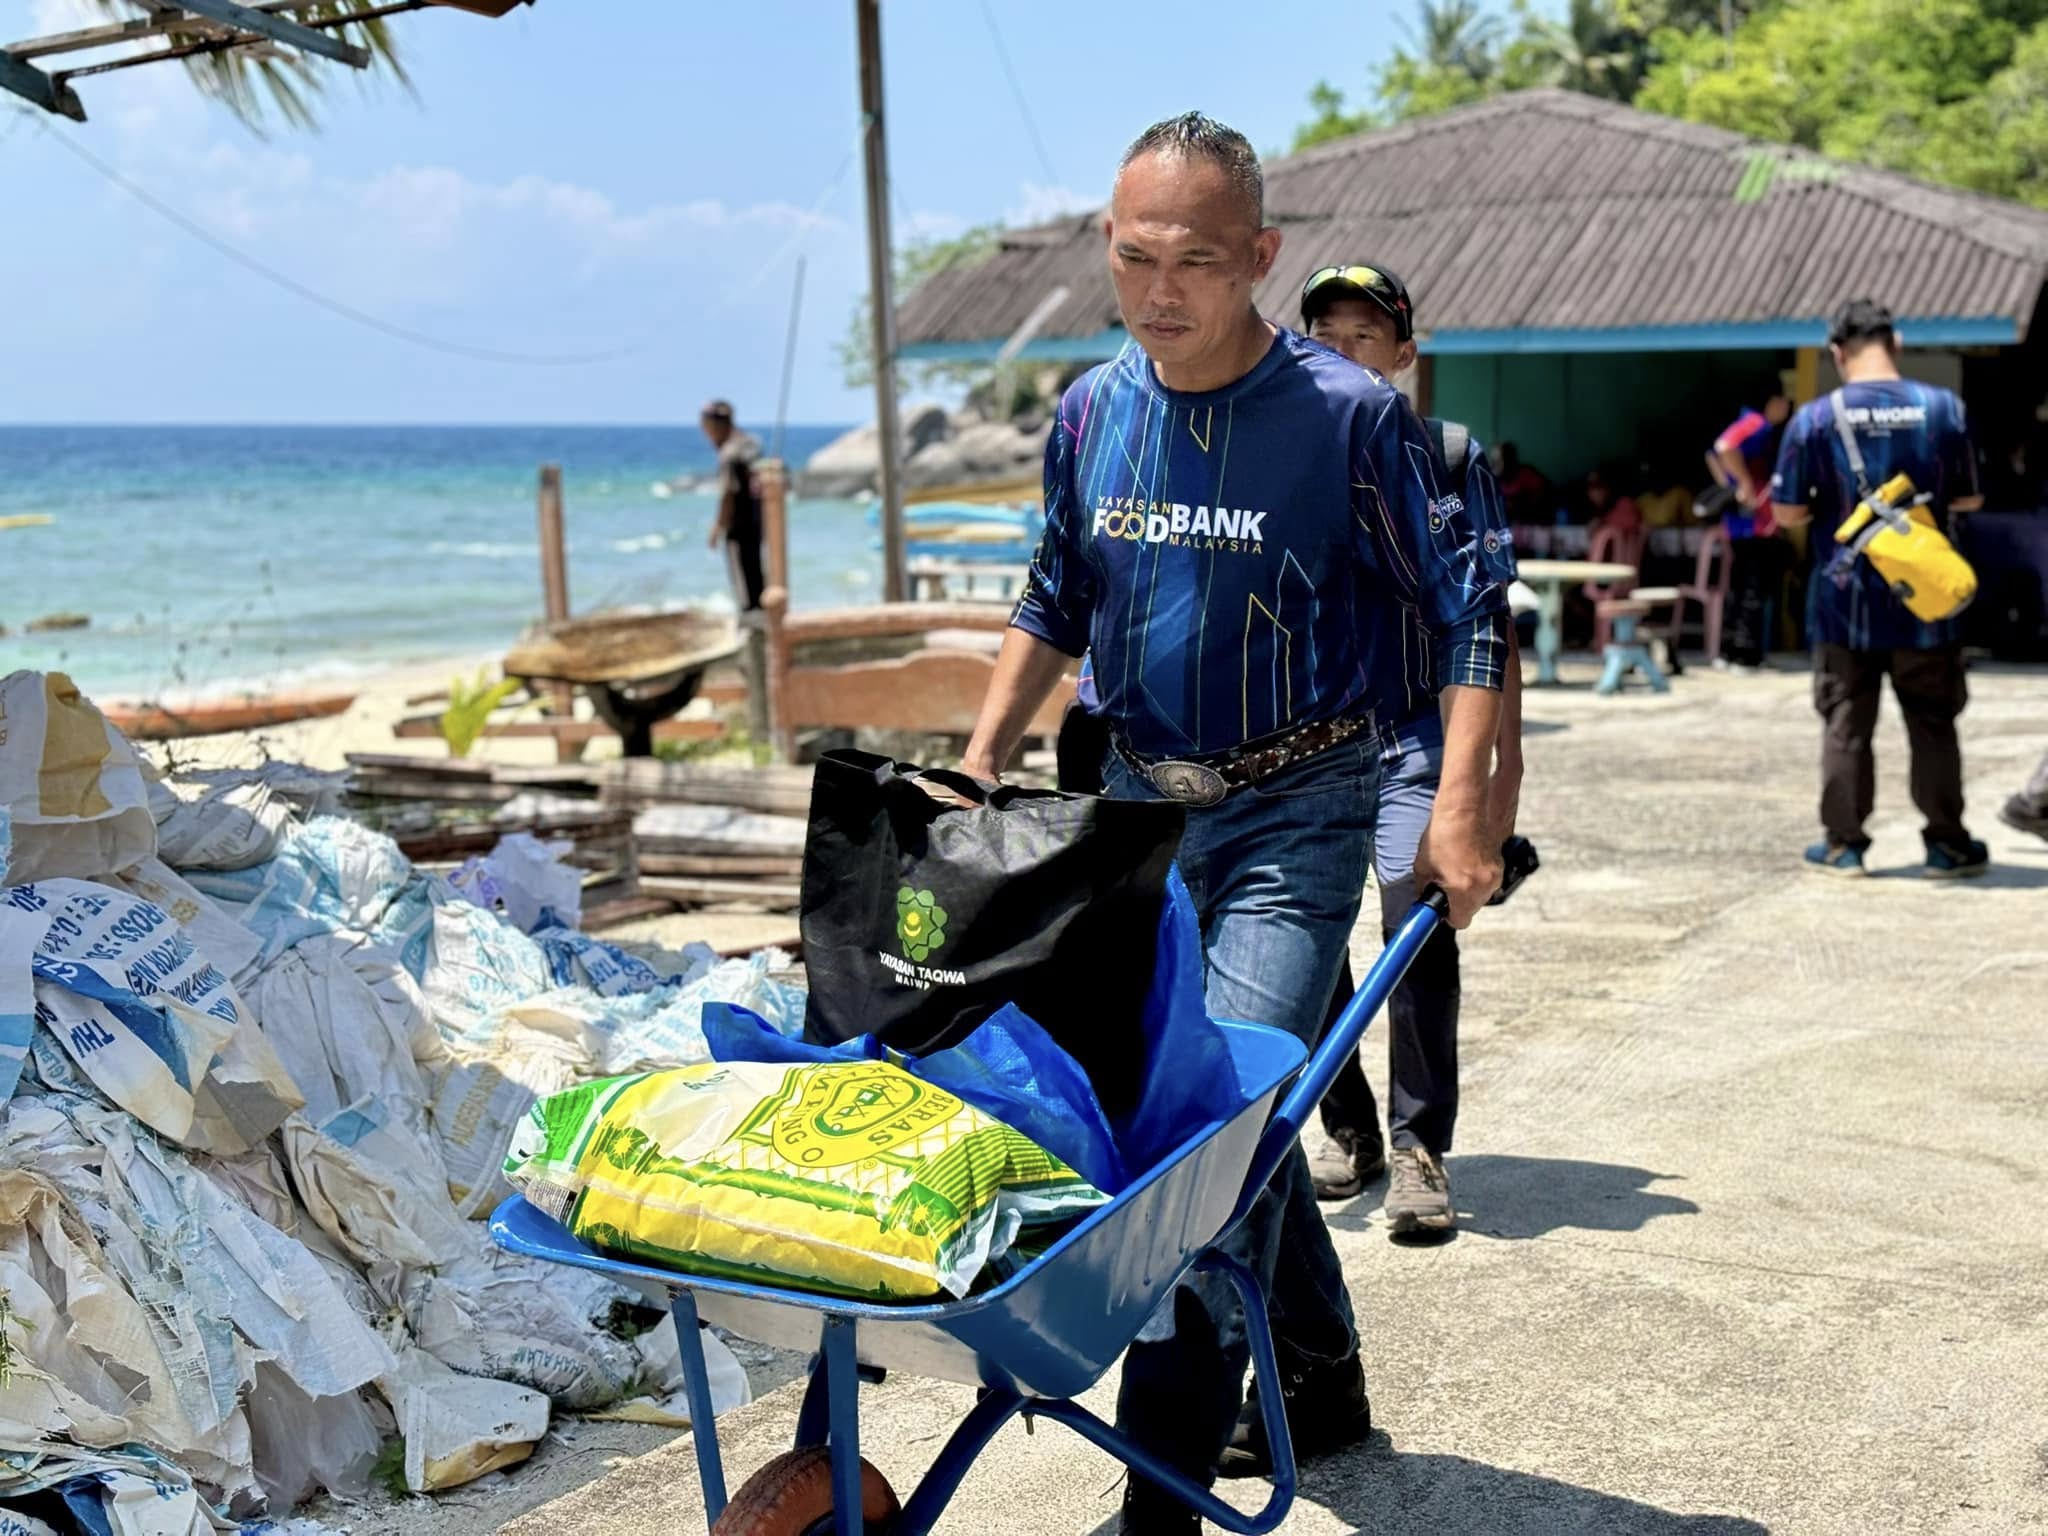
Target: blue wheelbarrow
{"type": "Point", "coordinates": [1041, 1338]}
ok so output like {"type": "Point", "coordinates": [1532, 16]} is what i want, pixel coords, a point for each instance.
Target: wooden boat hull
{"type": "Point", "coordinates": [215, 717]}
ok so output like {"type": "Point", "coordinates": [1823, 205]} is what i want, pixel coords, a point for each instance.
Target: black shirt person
{"type": "Point", "coordinates": [738, 523]}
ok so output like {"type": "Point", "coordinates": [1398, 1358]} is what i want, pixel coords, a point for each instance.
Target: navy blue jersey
{"type": "Point", "coordinates": [1241, 561]}
{"type": "Point", "coordinates": [1901, 427]}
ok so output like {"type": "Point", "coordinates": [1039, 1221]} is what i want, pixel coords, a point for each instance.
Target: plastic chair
{"type": "Point", "coordinates": [1713, 574]}
{"type": "Point", "coordinates": [1619, 546]}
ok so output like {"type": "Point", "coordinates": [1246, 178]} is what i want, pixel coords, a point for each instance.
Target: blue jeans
{"type": "Point", "coordinates": [1422, 1015]}
{"type": "Point", "coordinates": [1276, 872]}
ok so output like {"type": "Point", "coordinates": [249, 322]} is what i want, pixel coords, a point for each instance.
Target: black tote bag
{"type": "Point", "coordinates": [922, 918]}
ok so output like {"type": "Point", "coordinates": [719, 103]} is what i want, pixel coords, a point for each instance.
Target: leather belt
{"type": "Point", "coordinates": [1205, 780]}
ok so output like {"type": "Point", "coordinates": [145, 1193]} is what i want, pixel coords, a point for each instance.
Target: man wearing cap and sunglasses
{"type": "Point", "coordinates": [1235, 520]}
{"type": "Point", "coordinates": [1364, 312]}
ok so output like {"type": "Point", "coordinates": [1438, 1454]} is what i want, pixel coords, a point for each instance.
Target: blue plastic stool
{"type": "Point", "coordinates": [1628, 650]}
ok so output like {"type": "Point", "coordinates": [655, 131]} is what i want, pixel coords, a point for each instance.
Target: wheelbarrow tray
{"type": "Point", "coordinates": [1049, 1331]}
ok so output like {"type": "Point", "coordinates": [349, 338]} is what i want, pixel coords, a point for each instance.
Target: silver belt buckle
{"type": "Point", "coordinates": [1189, 783]}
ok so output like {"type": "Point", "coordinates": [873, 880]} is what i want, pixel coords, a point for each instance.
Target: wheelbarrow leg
{"type": "Point", "coordinates": [703, 1425]}
{"type": "Point", "coordinates": [997, 1407]}
{"type": "Point", "coordinates": [842, 1390]}
{"type": "Point", "coordinates": [1144, 1463]}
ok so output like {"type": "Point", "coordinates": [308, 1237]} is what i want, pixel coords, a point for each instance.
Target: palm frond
{"type": "Point", "coordinates": [258, 81]}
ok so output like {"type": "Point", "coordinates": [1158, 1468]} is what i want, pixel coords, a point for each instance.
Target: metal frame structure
{"type": "Point", "coordinates": [189, 28]}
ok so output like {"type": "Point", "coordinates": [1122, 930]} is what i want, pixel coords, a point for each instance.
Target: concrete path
{"type": "Point", "coordinates": [1751, 1162]}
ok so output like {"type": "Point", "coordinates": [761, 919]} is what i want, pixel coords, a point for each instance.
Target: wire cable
{"type": "Point", "coordinates": [1017, 89]}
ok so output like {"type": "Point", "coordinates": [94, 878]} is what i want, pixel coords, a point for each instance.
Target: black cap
{"type": "Point", "coordinates": [1326, 285]}
{"type": "Point", "coordinates": [718, 410]}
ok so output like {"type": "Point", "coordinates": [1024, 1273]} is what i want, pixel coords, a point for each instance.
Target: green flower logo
{"type": "Point", "coordinates": [920, 923]}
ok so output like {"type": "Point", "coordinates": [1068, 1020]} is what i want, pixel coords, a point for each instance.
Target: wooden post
{"type": "Point", "coordinates": [881, 294]}
{"type": "Point", "coordinates": [554, 552]}
{"type": "Point", "coordinates": [554, 574]}
{"type": "Point", "coordinates": [772, 681]}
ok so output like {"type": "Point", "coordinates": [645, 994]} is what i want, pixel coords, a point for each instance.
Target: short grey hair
{"type": "Point", "coordinates": [1197, 136]}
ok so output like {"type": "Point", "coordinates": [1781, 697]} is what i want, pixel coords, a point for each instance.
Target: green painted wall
{"type": "Point", "coordinates": [1568, 412]}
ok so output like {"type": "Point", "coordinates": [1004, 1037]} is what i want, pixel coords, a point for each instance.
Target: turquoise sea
{"type": "Point", "coordinates": [222, 559]}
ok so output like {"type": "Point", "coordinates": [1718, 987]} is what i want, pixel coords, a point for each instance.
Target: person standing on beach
{"type": "Point", "coordinates": [738, 523]}
{"type": "Point", "coordinates": [1234, 517]}
{"type": "Point", "coordinates": [1364, 312]}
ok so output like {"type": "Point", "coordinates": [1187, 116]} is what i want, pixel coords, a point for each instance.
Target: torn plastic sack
{"type": "Point", "coordinates": [331, 873]}
{"type": "Point", "coordinates": [344, 1042]}
{"type": "Point", "coordinates": [232, 948]}
{"type": "Point", "coordinates": [1007, 1067]}
{"type": "Point", "coordinates": [668, 1403]}
{"type": "Point", "coordinates": [304, 1444]}
{"type": "Point", "coordinates": [233, 1277]}
{"type": "Point", "coordinates": [70, 783]}
{"type": "Point", "coordinates": [526, 880]}
{"type": "Point", "coordinates": [82, 1348]}
{"type": "Point", "coordinates": [129, 1492]}
{"type": "Point", "coordinates": [482, 1093]}
{"type": "Point", "coordinates": [456, 1428]}
{"type": "Point", "coordinates": [150, 1020]}
{"type": "Point", "coordinates": [666, 1028]}
{"type": "Point", "coordinates": [578, 960]}
{"type": "Point", "coordinates": [14, 1523]}
{"type": "Point", "coordinates": [21, 930]}
{"type": "Point", "coordinates": [229, 823]}
{"type": "Point", "coordinates": [472, 964]}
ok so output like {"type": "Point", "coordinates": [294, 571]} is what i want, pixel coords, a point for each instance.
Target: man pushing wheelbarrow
{"type": "Point", "coordinates": [1235, 519]}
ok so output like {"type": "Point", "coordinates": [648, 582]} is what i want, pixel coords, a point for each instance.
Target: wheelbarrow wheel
{"type": "Point", "coordinates": [792, 1496]}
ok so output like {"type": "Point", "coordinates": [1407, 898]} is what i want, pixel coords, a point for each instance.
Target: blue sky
{"type": "Point", "coordinates": [629, 177]}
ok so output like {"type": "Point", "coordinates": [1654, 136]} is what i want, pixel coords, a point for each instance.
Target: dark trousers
{"type": "Point", "coordinates": [1931, 690]}
{"type": "Point", "coordinates": [1422, 1052]}
{"type": "Point", "coordinates": [743, 554]}
{"type": "Point", "coordinates": [1756, 578]}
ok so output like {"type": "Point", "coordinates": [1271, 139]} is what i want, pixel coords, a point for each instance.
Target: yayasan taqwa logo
{"type": "Point", "coordinates": [920, 923]}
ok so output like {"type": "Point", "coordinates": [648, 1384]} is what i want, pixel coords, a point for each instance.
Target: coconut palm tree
{"type": "Point", "coordinates": [252, 80]}
{"type": "Point", "coordinates": [1454, 35]}
{"type": "Point", "coordinates": [1591, 50]}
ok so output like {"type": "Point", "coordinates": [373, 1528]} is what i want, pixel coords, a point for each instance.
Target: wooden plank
{"type": "Point", "coordinates": [718, 829]}
{"type": "Point", "coordinates": [280, 29]}
{"type": "Point", "coordinates": [627, 909]}
{"type": "Point", "coordinates": [393, 786]}
{"type": "Point", "coordinates": [431, 767]}
{"type": "Point", "coordinates": [878, 620]}
{"type": "Point", "coordinates": [640, 781]}
{"type": "Point", "coordinates": [31, 84]}
{"type": "Point", "coordinates": [936, 691]}
{"type": "Point", "coordinates": [566, 730]}
{"type": "Point", "coordinates": [700, 891]}
{"type": "Point", "coordinates": [737, 867]}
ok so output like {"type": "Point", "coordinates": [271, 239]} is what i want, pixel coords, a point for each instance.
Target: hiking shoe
{"type": "Point", "coordinates": [1327, 1411]}
{"type": "Point", "coordinates": [1419, 1200]}
{"type": "Point", "coordinates": [1952, 861]}
{"type": "Point", "coordinates": [1150, 1510]}
{"type": "Point", "coordinates": [2019, 814]}
{"type": "Point", "coordinates": [1341, 1163]}
{"type": "Point", "coordinates": [1836, 859]}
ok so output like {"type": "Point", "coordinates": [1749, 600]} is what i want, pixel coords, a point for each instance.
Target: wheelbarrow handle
{"type": "Point", "coordinates": [1518, 862]}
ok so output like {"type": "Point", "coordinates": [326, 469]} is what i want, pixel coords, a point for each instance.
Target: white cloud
{"type": "Point", "coordinates": [1040, 204]}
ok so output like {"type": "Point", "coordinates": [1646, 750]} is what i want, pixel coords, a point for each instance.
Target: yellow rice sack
{"type": "Point", "coordinates": [855, 1178]}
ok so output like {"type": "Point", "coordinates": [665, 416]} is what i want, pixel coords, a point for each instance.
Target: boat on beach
{"type": "Point", "coordinates": [215, 717]}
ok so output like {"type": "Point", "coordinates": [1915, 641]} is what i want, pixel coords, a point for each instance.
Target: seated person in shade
{"type": "Point", "coordinates": [1607, 507]}
{"type": "Point", "coordinates": [1523, 489]}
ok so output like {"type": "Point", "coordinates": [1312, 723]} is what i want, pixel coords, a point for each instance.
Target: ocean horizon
{"type": "Point", "coordinates": [217, 559]}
